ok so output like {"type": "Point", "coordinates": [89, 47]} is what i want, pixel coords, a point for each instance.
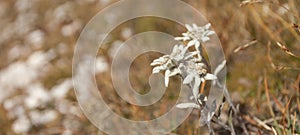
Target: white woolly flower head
{"type": "Point", "coordinates": [196, 35]}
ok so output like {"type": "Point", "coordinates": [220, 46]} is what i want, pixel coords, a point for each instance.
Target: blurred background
{"type": "Point", "coordinates": [37, 40]}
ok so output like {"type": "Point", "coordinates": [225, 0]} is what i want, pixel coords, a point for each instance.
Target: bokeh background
{"type": "Point", "coordinates": [37, 40]}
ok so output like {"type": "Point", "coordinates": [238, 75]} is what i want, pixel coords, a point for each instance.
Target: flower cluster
{"type": "Point", "coordinates": [196, 35]}
{"type": "Point", "coordinates": [189, 65]}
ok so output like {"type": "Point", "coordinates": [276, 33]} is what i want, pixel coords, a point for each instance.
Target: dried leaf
{"type": "Point", "coordinates": [240, 48]}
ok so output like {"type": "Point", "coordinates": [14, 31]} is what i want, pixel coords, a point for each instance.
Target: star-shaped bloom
{"type": "Point", "coordinates": [195, 80]}
{"type": "Point", "coordinates": [172, 63]}
{"type": "Point", "coordinates": [196, 35]}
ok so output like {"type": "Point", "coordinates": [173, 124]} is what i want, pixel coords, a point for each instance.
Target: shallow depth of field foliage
{"type": "Point", "coordinates": [260, 38]}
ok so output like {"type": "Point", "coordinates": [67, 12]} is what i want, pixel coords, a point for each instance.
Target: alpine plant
{"type": "Point", "coordinates": [189, 65]}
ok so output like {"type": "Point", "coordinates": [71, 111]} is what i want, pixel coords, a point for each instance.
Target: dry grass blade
{"type": "Point", "coordinates": [268, 96]}
{"type": "Point", "coordinates": [272, 119]}
{"type": "Point", "coordinates": [248, 2]}
{"type": "Point", "coordinates": [276, 67]}
{"type": "Point", "coordinates": [278, 104]}
{"type": "Point", "coordinates": [261, 123]}
{"type": "Point", "coordinates": [259, 132]}
{"type": "Point", "coordinates": [294, 121]}
{"type": "Point", "coordinates": [249, 119]}
{"type": "Point", "coordinates": [298, 104]}
{"type": "Point", "coordinates": [274, 131]}
{"type": "Point", "coordinates": [240, 48]}
{"type": "Point", "coordinates": [257, 122]}
{"type": "Point", "coordinates": [286, 109]}
{"type": "Point", "coordinates": [296, 84]}
{"type": "Point", "coordinates": [286, 50]}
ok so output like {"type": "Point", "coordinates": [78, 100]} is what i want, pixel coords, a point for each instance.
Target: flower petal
{"type": "Point", "coordinates": [156, 62]}
{"type": "Point", "coordinates": [190, 55]}
{"type": "Point", "coordinates": [209, 76]}
{"type": "Point", "coordinates": [207, 26]}
{"type": "Point", "coordinates": [187, 105]}
{"type": "Point", "coordinates": [192, 42]}
{"type": "Point", "coordinates": [185, 34]}
{"type": "Point", "coordinates": [157, 69]}
{"type": "Point", "coordinates": [181, 38]}
{"type": "Point", "coordinates": [178, 38]}
{"type": "Point", "coordinates": [197, 45]}
{"type": "Point", "coordinates": [210, 33]}
{"type": "Point", "coordinates": [188, 79]}
{"type": "Point", "coordinates": [204, 39]}
{"type": "Point", "coordinates": [188, 27]}
{"type": "Point", "coordinates": [196, 87]}
{"type": "Point", "coordinates": [167, 73]}
{"type": "Point", "coordinates": [174, 72]}
{"type": "Point", "coordinates": [195, 26]}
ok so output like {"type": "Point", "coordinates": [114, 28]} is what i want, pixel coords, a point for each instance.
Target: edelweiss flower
{"type": "Point", "coordinates": [197, 79]}
{"type": "Point", "coordinates": [196, 35]}
{"type": "Point", "coordinates": [172, 63]}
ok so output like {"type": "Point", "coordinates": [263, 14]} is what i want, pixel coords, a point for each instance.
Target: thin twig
{"type": "Point", "coordinates": [274, 131]}
{"type": "Point", "coordinates": [278, 104]}
{"type": "Point", "coordinates": [286, 108]}
{"type": "Point", "coordinates": [230, 123]}
{"type": "Point", "coordinates": [276, 67]}
{"type": "Point", "coordinates": [261, 123]}
{"type": "Point", "coordinates": [272, 119]}
{"type": "Point", "coordinates": [286, 50]}
{"type": "Point", "coordinates": [202, 87]}
{"type": "Point", "coordinates": [243, 47]}
{"type": "Point", "coordinates": [248, 2]}
{"type": "Point", "coordinates": [268, 96]}
{"type": "Point", "coordinates": [294, 122]}
{"type": "Point", "coordinates": [245, 129]}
